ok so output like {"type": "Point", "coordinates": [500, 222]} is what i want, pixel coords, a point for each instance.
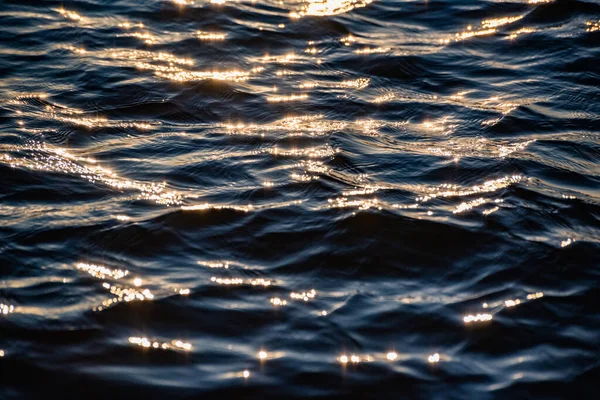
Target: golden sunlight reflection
{"type": "Point", "coordinates": [101, 272]}
{"type": "Point", "coordinates": [567, 242]}
{"type": "Point", "coordinates": [286, 98]}
{"type": "Point", "coordinates": [496, 22]}
{"type": "Point", "coordinates": [486, 27]}
{"type": "Point", "coordinates": [77, 50]}
{"type": "Point", "coordinates": [172, 345]}
{"type": "Point", "coordinates": [6, 309]}
{"type": "Point", "coordinates": [535, 296]}
{"type": "Point", "coordinates": [512, 303]}
{"type": "Point", "coordinates": [44, 157]}
{"type": "Point", "coordinates": [260, 282]}
{"type": "Point", "coordinates": [467, 206]}
{"type": "Point", "coordinates": [182, 75]}
{"type": "Point", "coordinates": [391, 356]}
{"type": "Point", "coordinates": [309, 125]}
{"type": "Point", "coordinates": [347, 40]}
{"type": "Point", "coordinates": [520, 32]}
{"type": "Point", "coordinates": [361, 204]}
{"type": "Point", "coordinates": [243, 208]}
{"type": "Point", "coordinates": [358, 84]}
{"type": "Point", "coordinates": [310, 152]}
{"type": "Point", "coordinates": [129, 25]}
{"type": "Point", "coordinates": [306, 296]}
{"type": "Point", "coordinates": [129, 294]}
{"type": "Point", "coordinates": [592, 26]}
{"type": "Point", "coordinates": [443, 126]}
{"type": "Point", "coordinates": [353, 359]}
{"type": "Point", "coordinates": [77, 117]}
{"type": "Point", "coordinates": [321, 8]}
{"type": "Point", "coordinates": [457, 147]}
{"type": "Point", "coordinates": [372, 50]}
{"type": "Point", "coordinates": [69, 14]}
{"type": "Point", "coordinates": [509, 303]}
{"type": "Point", "coordinates": [434, 358]}
{"type": "Point", "coordinates": [239, 281]}
{"type": "Point", "coordinates": [210, 35]}
{"type": "Point", "coordinates": [451, 190]}
{"type": "Point", "coordinates": [276, 301]}
{"type": "Point", "coordinates": [227, 281]}
{"type": "Point", "coordinates": [384, 98]}
{"type": "Point", "coordinates": [490, 211]}
{"type": "Point", "coordinates": [214, 264]}
{"type": "Point", "coordinates": [468, 319]}
{"type": "Point", "coordinates": [284, 59]}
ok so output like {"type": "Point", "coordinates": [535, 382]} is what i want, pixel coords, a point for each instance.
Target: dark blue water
{"type": "Point", "coordinates": [278, 199]}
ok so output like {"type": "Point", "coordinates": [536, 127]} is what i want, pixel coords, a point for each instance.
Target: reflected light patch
{"type": "Point", "coordinates": [173, 345]}
{"type": "Point", "coordinates": [372, 50]}
{"type": "Point", "coordinates": [512, 303]}
{"type": "Point", "coordinates": [449, 190]}
{"type": "Point", "coordinates": [520, 32]}
{"type": "Point", "coordinates": [178, 74]}
{"type": "Point", "coordinates": [214, 264]}
{"type": "Point", "coordinates": [6, 309]}
{"type": "Point", "coordinates": [490, 211]}
{"type": "Point", "coordinates": [469, 205]}
{"type": "Point", "coordinates": [322, 8]}
{"type": "Point", "coordinates": [123, 295]}
{"type": "Point", "coordinates": [44, 157]}
{"type": "Point", "coordinates": [287, 98]}
{"type": "Point", "coordinates": [260, 282]}
{"type": "Point", "coordinates": [567, 242]}
{"type": "Point", "coordinates": [276, 301]}
{"type": "Point", "coordinates": [477, 318]}
{"type": "Point", "coordinates": [306, 296]}
{"type": "Point", "coordinates": [227, 281]}
{"type": "Point", "coordinates": [102, 272]}
{"type": "Point", "coordinates": [534, 296]}
{"type": "Point", "coordinates": [69, 14]}
{"type": "Point", "coordinates": [385, 98]}
{"type": "Point", "coordinates": [210, 35]}
{"type": "Point", "coordinates": [592, 26]}
{"type": "Point", "coordinates": [486, 27]}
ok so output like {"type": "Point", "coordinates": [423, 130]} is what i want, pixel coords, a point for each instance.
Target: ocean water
{"type": "Point", "coordinates": [299, 199]}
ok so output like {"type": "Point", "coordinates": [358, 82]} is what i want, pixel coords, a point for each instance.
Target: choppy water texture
{"type": "Point", "coordinates": [287, 199]}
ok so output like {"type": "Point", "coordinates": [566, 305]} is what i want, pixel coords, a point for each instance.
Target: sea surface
{"type": "Point", "coordinates": [299, 199]}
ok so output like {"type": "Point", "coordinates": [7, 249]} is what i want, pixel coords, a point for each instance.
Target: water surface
{"type": "Point", "coordinates": [288, 199]}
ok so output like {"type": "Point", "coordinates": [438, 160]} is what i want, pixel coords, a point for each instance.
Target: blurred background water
{"type": "Point", "coordinates": [293, 199]}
